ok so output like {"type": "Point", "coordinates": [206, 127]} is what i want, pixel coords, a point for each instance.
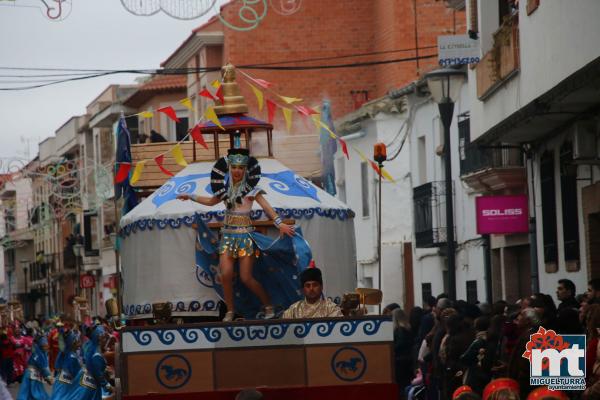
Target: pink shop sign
{"type": "Point", "coordinates": [502, 214]}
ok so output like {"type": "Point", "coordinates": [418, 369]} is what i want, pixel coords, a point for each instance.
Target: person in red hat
{"type": "Point", "coordinates": [502, 389]}
{"type": "Point", "coordinates": [314, 305]}
{"type": "Point", "coordinates": [465, 392]}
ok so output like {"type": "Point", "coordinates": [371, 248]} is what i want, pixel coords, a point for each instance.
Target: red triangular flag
{"type": "Point", "coordinates": [219, 94]}
{"type": "Point", "coordinates": [122, 172]}
{"type": "Point", "coordinates": [375, 167]}
{"type": "Point", "coordinates": [344, 148]}
{"type": "Point", "coordinates": [159, 161]}
{"type": "Point", "coordinates": [207, 94]}
{"type": "Point", "coordinates": [262, 83]}
{"type": "Point", "coordinates": [306, 111]}
{"type": "Point", "coordinates": [196, 134]}
{"type": "Point", "coordinates": [170, 112]}
{"type": "Point", "coordinates": [271, 107]}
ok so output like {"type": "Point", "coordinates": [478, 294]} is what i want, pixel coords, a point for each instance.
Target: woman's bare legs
{"type": "Point", "coordinates": [226, 263]}
{"type": "Point", "coordinates": [246, 264]}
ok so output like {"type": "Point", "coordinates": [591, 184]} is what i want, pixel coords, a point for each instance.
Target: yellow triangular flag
{"type": "Point", "coordinates": [178, 155]}
{"type": "Point", "coordinates": [387, 175]}
{"type": "Point", "coordinates": [137, 172]}
{"type": "Point", "coordinates": [317, 121]}
{"type": "Point", "coordinates": [216, 84]}
{"type": "Point", "coordinates": [362, 156]}
{"type": "Point", "coordinates": [210, 115]}
{"type": "Point", "coordinates": [290, 100]}
{"type": "Point", "coordinates": [187, 103]}
{"type": "Point", "coordinates": [259, 96]}
{"type": "Point", "coordinates": [331, 134]}
{"type": "Point", "coordinates": [287, 114]}
{"type": "Point", "coordinates": [146, 114]}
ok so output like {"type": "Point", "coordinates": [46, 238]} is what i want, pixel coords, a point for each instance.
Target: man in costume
{"type": "Point", "coordinates": [313, 305]}
{"type": "Point", "coordinates": [234, 181]}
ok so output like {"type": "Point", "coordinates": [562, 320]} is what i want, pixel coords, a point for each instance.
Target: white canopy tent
{"type": "Point", "coordinates": [158, 253]}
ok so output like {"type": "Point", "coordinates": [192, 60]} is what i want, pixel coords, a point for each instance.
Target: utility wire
{"type": "Point", "coordinates": [266, 64]}
{"type": "Point", "coordinates": [185, 71]}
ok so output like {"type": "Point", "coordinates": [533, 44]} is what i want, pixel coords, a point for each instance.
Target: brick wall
{"type": "Point", "coordinates": [324, 28]}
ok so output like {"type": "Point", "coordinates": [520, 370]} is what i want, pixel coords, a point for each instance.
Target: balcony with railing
{"type": "Point", "coordinates": [502, 62]}
{"type": "Point", "coordinates": [493, 169]}
{"type": "Point", "coordinates": [429, 202]}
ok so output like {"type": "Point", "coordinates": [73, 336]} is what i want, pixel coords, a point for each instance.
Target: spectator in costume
{"type": "Point", "coordinates": [313, 305]}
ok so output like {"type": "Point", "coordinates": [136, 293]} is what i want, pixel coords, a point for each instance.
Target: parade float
{"type": "Point", "coordinates": [173, 346]}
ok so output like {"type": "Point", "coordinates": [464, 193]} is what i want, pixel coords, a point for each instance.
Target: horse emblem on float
{"type": "Point", "coordinates": [173, 371]}
{"type": "Point", "coordinates": [348, 364]}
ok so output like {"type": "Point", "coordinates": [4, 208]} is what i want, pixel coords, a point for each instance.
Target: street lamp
{"type": "Point", "coordinates": [24, 264]}
{"type": "Point", "coordinates": [77, 247]}
{"type": "Point", "coordinates": [444, 85]}
{"type": "Point", "coordinates": [379, 155]}
{"type": "Point", "coordinates": [114, 239]}
{"type": "Point", "coordinates": [48, 259]}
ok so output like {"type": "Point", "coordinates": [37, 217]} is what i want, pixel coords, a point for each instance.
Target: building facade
{"type": "Point", "coordinates": [536, 93]}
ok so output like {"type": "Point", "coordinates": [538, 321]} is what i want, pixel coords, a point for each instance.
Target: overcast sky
{"type": "Point", "coordinates": [97, 34]}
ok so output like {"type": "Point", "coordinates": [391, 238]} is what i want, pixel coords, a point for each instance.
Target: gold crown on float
{"type": "Point", "coordinates": [233, 101]}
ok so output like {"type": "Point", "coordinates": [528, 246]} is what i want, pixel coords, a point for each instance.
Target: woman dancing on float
{"type": "Point", "coordinates": [233, 181]}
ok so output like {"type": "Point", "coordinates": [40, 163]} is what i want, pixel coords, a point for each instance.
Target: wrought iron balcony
{"type": "Point", "coordinates": [493, 169]}
{"type": "Point", "coordinates": [429, 202]}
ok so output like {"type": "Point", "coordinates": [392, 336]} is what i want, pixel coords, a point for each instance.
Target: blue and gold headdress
{"type": "Point", "coordinates": [238, 157]}
{"type": "Point", "coordinates": [220, 182]}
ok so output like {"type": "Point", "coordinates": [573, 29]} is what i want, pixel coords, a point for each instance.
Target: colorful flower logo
{"type": "Point", "coordinates": [545, 339]}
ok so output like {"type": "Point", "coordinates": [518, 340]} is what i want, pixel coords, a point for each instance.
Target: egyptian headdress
{"type": "Point", "coordinates": [221, 182]}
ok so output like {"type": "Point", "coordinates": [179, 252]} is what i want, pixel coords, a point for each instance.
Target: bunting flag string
{"type": "Point", "coordinates": [123, 170]}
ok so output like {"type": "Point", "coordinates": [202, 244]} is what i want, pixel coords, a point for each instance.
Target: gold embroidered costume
{"type": "Point", "coordinates": [324, 308]}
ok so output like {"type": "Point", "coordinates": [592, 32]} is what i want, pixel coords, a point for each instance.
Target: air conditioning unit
{"type": "Point", "coordinates": [585, 140]}
{"type": "Point", "coordinates": [456, 4]}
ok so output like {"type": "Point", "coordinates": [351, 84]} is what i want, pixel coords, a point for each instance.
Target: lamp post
{"type": "Point", "coordinates": [444, 85]}
{"type": "Point", "coordinates": [379, 155]}
{"type": "Point", "coordinates": [24, 264]}
{"type": "Point", "coordinates": [77, 247]}
{"type": "Point", "coordinates": [114, 241]}
{"type": "Point", "coordinates": [48, 259]}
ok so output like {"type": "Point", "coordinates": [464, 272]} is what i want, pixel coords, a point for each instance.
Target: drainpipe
{"type": "Point", "coordinates": [535, 284]}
